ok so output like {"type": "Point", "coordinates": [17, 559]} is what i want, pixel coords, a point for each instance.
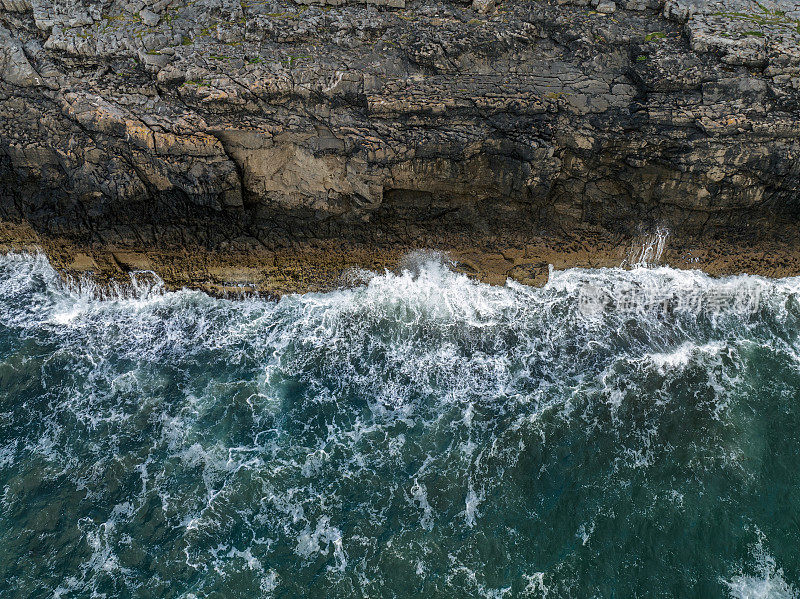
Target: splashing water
{"type": "Point", "coordinates": [767, 582]}
{"type": "Point", "coordinates": [650, 251]}
{"type": "Point", "coordinates": [418, 435]}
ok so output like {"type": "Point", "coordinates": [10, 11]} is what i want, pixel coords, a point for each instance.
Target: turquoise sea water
{"type": "Point", "coordinates": [419, 435]}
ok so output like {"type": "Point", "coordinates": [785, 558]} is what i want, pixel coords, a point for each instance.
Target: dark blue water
{"type": "Point", "coordinates": [421, 435]}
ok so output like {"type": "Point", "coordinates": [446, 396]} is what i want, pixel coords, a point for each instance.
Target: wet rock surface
{"type": "Point", "coordinates": [343, 132]}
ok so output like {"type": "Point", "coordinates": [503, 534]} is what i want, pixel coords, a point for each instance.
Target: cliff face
{"type": "Point", "coordinates": [269, 125]}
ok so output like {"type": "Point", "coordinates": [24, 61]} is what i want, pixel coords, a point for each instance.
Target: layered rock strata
{"type": "Point", "coordinates": [275, 137]}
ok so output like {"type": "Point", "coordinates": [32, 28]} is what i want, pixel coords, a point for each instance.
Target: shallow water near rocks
{"type": "Point", "coordinates": [421, 435]}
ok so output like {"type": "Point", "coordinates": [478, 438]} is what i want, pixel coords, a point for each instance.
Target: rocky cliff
{"type": "Point", "coordinates": [289, 139]}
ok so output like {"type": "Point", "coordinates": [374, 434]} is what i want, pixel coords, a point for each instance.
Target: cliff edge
{"type": "Point", "coordinates": [278, 143]}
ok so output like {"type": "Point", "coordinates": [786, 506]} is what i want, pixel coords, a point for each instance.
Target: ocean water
{"type": "Point", "coordinates": [418, 435]}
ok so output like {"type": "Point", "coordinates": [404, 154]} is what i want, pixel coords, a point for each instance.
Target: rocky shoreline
{"type": "Point", "coordinates": [326, 266]}
{"type": "Point", "coordinates": [279, 146]}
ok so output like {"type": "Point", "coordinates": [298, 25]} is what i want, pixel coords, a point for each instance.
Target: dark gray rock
{"type": "Point", "coordinates": [397, 121]}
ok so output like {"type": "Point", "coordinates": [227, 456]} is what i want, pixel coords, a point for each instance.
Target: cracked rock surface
{"type": "Point", "coordinates": [267, 127]}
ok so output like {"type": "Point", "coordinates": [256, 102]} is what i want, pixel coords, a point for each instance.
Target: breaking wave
{"type": "Point", "coordinates": [764, 580]}
{"type": "Point", "coordinates": [421, 434]}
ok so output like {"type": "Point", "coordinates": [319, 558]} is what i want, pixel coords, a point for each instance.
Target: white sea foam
{"type": "Point", "coordinates": [681, 356]}
{"type": "Point", "coordinates": [401, 398]}
{"type": "Point", "coordinates": [585, 531]}
{"type": "Point", "coordinates": [764, 580]}
{"type": "Point", "coordinates": [535, 585]}
{"type": "Point", "coordinates": [419, 496]}
{"type": "Point", "coordinates": [471, 503]}
{"type": "Point", "coordinates": [323, 539]}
